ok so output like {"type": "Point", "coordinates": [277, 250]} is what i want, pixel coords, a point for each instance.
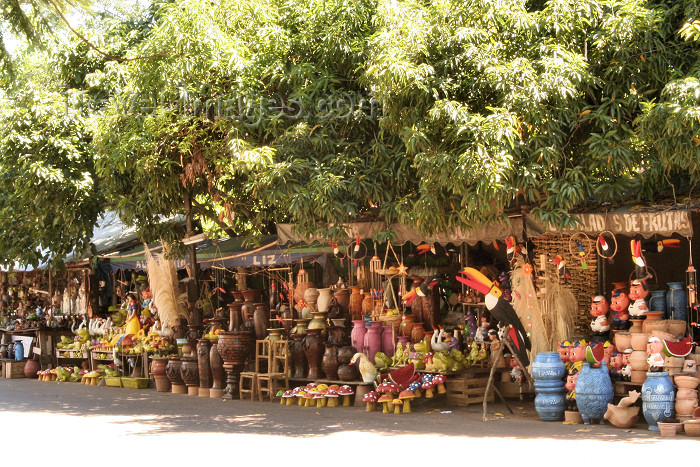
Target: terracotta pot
{"type": "Point", "coordinates": [367, 304]}
{"type": "Point", "coordinates": [654, 315]}
{"type": "Point", "coordinates": [691, 427]}
{"type": "Point", "coordinates": [218, 375]}
{"type": "Point", "coordinates": [636, 326]}
{"type": "Point", "coordinates": [686, 406]}
{"type": "Point", "coordinates": [417, 333]}
{"type": "Point", "coordinates": [314, 350]}
{"type": "Point", "coordinates": [330, 362]}
{"type": "Point", "coordinates": [677, 328]}
{"type": "Point", "coordinates": [406, 325]}
{"type": "Point", "coordinates": [172, 370]}
{"type": "Point", "coordinates": [158, 367]}
{"type": "Point", "coordinates": [252, 295]}
{"type": "Point", "coordinates": [342, 298]}
{"type": "Point", "coordinates": [261, 320]}
{"type": "Point", "coordinates": [31, 367]}
{"type": "Point", "coordinates": [298, 356]}
{"type": "Point", "coordinates": [235, 319]}
{"type": "Point", "coordinates": [650, 325]}
{"type": "Point", "coordinates": [189, 371]}
{"type": "Point", "coordinates": [639, 341]}
{"type": "Point", "coordinates": [663, 336]}
{"type": "Point", "coordinates": [668, 429]}
{"type": "Point", "coordinates": [203, 366]}
{"type": "Point", "coordinates": [685, 393]}
{"type": "Point", "coordinates": [623, 341]}
{"type": "Point", "coordinates": [347, 372]}
{"type": "Point", "coordinates": [638, 376]}
{"type": "Point", "coordinates": [323, 301]}
{"type": "Point", "coordinates": [356, 299]}
{"type": "Point", "coordinates": [638, 360]}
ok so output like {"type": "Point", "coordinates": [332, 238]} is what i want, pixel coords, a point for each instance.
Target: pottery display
{"type": "Point", "coordinates": [669, 429]}
{"type": "Point", "coordinates": [189, 371]}
{"type": "Point", "coordinates": [594, 392]}
{"type": "Point", "coordinates": [204, 368]}
{"type": "Point", "coordinates": [218, 375]}
{"type": "Point", "coordinates": [172, 370]}
{"type": "Point", "coordinates": [356, 299]}
{"type": "Point", "coordinates": [676, 301]}
{"type": "Point", "coordinates": [313, 350]}
{"type": "Point", "coordinates": [548, 370]}
{"type": "Point", "coordinates": [657, 398]}
{"type": "Point", "coordinates": [357, 335]}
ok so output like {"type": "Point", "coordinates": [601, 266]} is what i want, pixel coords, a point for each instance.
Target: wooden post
{"type": "Point", "coordinates": [193, 286]}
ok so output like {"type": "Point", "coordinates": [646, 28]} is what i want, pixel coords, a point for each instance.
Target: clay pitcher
{"type": "Point", "coordinates": [205, 376]}
{"type": "Point", "coordinates": [314, 350]}
{"type": "Point", "coordinates": [298, 356]}
{"type": "Point", "coordinates": [330, 362]}
{"type": "Point", "coordinates": [218, 375]}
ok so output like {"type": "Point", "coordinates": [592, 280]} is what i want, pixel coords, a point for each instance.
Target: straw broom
{"type": "Point", "coordinates": [527, 306]}
{"type": "Point", "coordinates": [162, 279]}
{"type": "Point", "coordinates": [560, 308]}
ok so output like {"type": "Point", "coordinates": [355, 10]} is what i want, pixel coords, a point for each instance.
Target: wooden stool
{"type": "Point", "coordinates": [280, 358]}
{"type": "Point", "coordinates": [246, 388]}
{"type": "Point", "coordinates": [263, 356]}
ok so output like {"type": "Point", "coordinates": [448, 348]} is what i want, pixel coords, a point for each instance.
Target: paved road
{"type": "Point", "coordinates": [151, 426]}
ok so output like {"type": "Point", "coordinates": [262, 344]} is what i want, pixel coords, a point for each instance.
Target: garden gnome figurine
{"type": "Point", "coordinates": [599, 310]}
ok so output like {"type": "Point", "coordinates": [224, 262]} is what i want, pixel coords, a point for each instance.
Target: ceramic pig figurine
{"type": "Point", "coordinates": [618, 304]}
{"type": "Point", "coordinates": [626, 371]}
{"type": "Point", "coordinates": [599, 310]}
{"type": "Point", "coordinates": [639, 290]}
{"type": "Point", "coordinates": [654, 349]}
{"type": "Point", "coordinates": [570, 386]}
{"type": "Point", "coordinates": [616, 366]}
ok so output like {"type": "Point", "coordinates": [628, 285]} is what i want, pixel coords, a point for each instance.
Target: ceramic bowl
{"type": "Point", "coordinates": [639, 341]}
{"type": "Point", "coordinates": [692, 427]}
{"type": "Point", "coordinates": [677, 327]}
{"type": "Point", "coordinates": [683, 381]}
{"type": "Point", "coordinates": [685, 393]}
{"type": "Point", "coordinates": [623, 341]}
{"type": "Point", "coordinates": [664, 336]}
{"type": "Point", "coordinates": [686, 406]}
{"type": "Point", "coordinates": [669, 429]}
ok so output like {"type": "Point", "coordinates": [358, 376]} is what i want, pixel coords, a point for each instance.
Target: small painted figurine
{"type": "Point", "coordinates": [564, 349]}
{"type": "Point", "coordinates": [618, 304]}
{"type": "Point", "coordinates": [599, 310]}
{"type": "Point", "coordinates": [452, 341]}
{"type": "Point", "coordinates": [656, 358]}
{"type": "Point", "coordinates": [626, 371]}
{"type": "Point", "coordinates": [570, 386]}
{"type": "Point", "coordinates": [639, 290]}
{"type": "Point", "coordinates": [616, 366]}
{"type": "Point", "coordinates": [516, 372]}
{"type": "Point", "coordinates": [577, 353]}
{"type": "Point", "coordinates": [133, 325]}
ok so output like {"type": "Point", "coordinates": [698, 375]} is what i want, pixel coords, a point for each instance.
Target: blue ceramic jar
{"type": "Point", "coordinates": [676, 301]}
{"type": "Point", "coordinates": [657, 398]}
{"type": "Point", "coordinates": [594, 391]}
{"type": "Point", "coordinates": [19, 351]}
{"type": "Point", "coordinates": [548, 371]}
{"type": "Point", "coordinates": [657, 302]}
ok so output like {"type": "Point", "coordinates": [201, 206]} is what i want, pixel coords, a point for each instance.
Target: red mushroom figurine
{"type": "Point", "coordinates": [428, 388]}
{"type": "Point", "coordinates": [346, 391]}
{"type": "Point", "coordinates": [371, 400]}
{"type": "Point", "coordinates": [439, 381]}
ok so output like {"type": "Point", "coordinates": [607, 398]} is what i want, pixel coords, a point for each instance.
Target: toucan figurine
{"type": "Point", "coordinates": [513, 249]}
{"type": "Point", "coordinates": [423, 248]}
{"type": "Point", "coordinates": [658, 247]}
{"type": "Point", "coordinates": [640, 265]}
{"type": "Point", "coordinates": [501, 310]}
{"type": "Point", "coordinates": [562, 270]}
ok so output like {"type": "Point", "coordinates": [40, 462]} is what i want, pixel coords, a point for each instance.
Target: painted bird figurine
{"type": "Point", "coordinates": [437, 342]}
{"type": "Point", "coordinates": [562, 270]}
{"type": "Point", "coordinates": [501, 310]}
{"type": "Point", "coordinates": [640, 265]}
{"type": "Point", "coordinates": [658, 247]}
{"type": "Point", "coordinates": [367, 368]}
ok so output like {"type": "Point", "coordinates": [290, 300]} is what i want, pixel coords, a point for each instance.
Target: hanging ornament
{"type": "Point", "coordinates": [580, 245]}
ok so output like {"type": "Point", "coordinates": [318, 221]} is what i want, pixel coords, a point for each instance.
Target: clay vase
{"type": "Point", "coordinates": [594, 392]}
{"type": "Point", "coordinates": [235, 319]}
{"type": "Point", "coordinates": [388, 340]}
{"type": "Point", "coordinates": [406, 325]}
{"type": "Point", "coordinates": [261, 320]}
{"type": "Point", "coordinates": [342, 298]}
{"type": "Point", "coordinates": [657, 301]}
{"type": "Point", "coordinates": [218, 375]}
{"type": "Point", "coordinates": [337, 335]}
{"type": "Point", "coordinates": [676, 301]}
{"type": "Point", "coordinates": [373, 340]}
{"type": "Point", "coordinates": [248, 317]}
{"type": "Point", "coordinates": [320, 322]}
{"type": "Point", "coordinates": [345, 354]}
{"type": "Point", "coordinates": [417, 333]}
{"type": "Point", "coordinates": [204, 368]}
{"type": "Point", "coordinates": [314, 350]}
{"type": "Point", "coordinates": [330, 363]}
{"type": "Point", "coordinates": [298, 356]}
{"type": "Point", "coordinates": [636, 326]}
{"type": "Point", "coordinates": [189, 371]}
{"type": "Point", "coordinates": [311, 296]}
{"type": "Point", "coordinates": [367, 304]}
{"type": "Point", "coordinates": [623, 341]}
{"type": "Point", "coordinates": [323, 301]}
{"type": "Point", "coordinates": [357, 335]}
{"type": "Point", "coordinates": [31, 367]}
{"type": "Point", "coordinates": [356, 299]}
{"type": "Point", "coordinates": [234, 348]}
{"type": "Point", "coordinates": [548, 371]}
{"type": "Point", "coordinates": [347, 372]}
{"type": "Point", "coordinates": [193, 335]}
{"type": "Point", "coordinates": [158, 366]}
{"type": "Point", "coordinates": [657, 398]}
{"type": "Point", "coordinates": [172, 371]}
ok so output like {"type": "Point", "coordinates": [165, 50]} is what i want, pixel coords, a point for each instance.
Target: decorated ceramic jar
{"type": "Point", "coordinates": [594, 391]}
{"type": "Point", "coordinates": [657, 398]}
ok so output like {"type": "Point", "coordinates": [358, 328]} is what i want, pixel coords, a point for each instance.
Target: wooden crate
{"type": "Point", "coordinates": [14, 369]}
{"type": "Point", "coordinates": [464, 391]}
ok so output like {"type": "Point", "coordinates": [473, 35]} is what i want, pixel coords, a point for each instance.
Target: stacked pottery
{"type": "Point", "coordinates": [657, 398]}
{"type": "Point", "coordinates": [686, 401]}
{"type": "Point", "coordinates": [548, 370]}
{"type": "Point", "coordinates": [594, 392]}
{"type": "Point", "coordinates": [638, 358]}
{"type": "Point", "coordinates": [347, 372]}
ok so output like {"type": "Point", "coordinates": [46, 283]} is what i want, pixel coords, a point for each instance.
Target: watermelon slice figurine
{"type": "Point", "coordinates": [678, 349]}
{"type": "Point", "coordinates": [595, 354]}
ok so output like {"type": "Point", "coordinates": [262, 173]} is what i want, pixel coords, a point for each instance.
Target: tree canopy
{"type": "Point", "coordinates": [438, 114]}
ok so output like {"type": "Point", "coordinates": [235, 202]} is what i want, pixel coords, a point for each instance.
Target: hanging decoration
{"type": "Point", "coordinates": [606, 245]}
{"type": "Point", "coordinates": [580, 245]}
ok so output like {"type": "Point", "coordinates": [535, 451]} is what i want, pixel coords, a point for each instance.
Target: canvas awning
{"type": "Point", "coordinates": [405, 233]}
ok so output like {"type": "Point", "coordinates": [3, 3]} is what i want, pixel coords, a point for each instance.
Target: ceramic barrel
{"type": "Point", "coordinates": [657, 398]}
{"type": "Point", "coordinates": [548, 371]}
{"type": "Point", "coordinates": [594, 391]}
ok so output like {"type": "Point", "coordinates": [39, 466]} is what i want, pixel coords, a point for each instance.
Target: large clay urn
{"type": "Point", "coordinates": [235, 318]}
{"type": "Point", "coordinates": [172, 370]}
{"type": "Point", "coordinates": [367, 304]}
{"type": "Point", "coordinates": [234, 348]}
{"type": "Point", "coordinates": [323, 301]}
{"type": "Point", "coordinates": [417, 333]}
{"type": "Point", "coordinates": [342, 297]}
{"type": "Point", "coordinates": [218, 375]}
{"type": "Point", "coordinates": [31, 367]}
{"type": "Point", "coordinates": [357, 335]}
{"type": "Point", "coordinates": [158, 366]}
{"type": "Point", "coordinates": [356, 299]}
{"type": "Point", "coordinates": [313, 349]}
{"type": "Point", "coordinates": [330, 363]}
{"type": "Point", "coordinates": [189, 371]}
{"type": "Point", "coordinates": [205, 377]}
{"type": "Point", "coordinates": [298, 356]}
{"type": "Point", "coordinates": [261, 320]}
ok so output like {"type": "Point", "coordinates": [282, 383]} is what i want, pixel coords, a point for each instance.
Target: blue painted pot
{"type": "Point", "coordinates": [19, 351]}
{"type": "Point", "coordinates": [676, 301]}
{"type": "Point", "coordinates": [594, 391]}
{"type": "Point", "coordinates": [658, 398]}
{"type": "Point", "coordinates": [657, 302]}
{"type": "Point", "coordinates": [550, 402]}
{"type": "Point", "coordinates": [548, 366]}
